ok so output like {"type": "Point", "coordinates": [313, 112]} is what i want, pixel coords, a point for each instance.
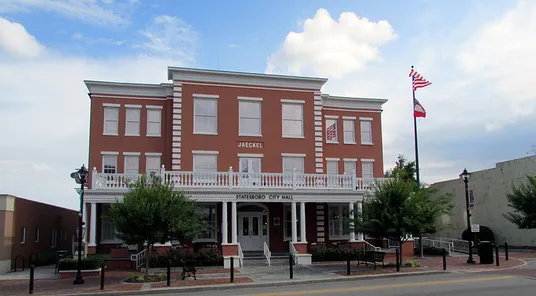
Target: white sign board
{"type": "Point", "coordinates": [475, 228]}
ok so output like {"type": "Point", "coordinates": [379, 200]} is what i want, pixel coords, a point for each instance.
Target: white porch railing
{"type": "Point", "coordinates": [371, 247]}
{"type": "Point", "coordinates": [139, 258]}
{"type": "Point", "coordinates": [240, 256]}
{"type": "Point", "coordinates": [292, 251]}
{"type": "Point", "coordinates": [267, 253]}
{"type": "Point", "coordinates": [230, 180]}
{"type": "Point", "coordinates": [458, 245]}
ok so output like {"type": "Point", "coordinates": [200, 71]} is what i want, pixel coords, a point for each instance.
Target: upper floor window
{"type": "Point", "coordinates": [154, 121]}
{"type": "Point", "coordinates": [132, 163]}
{"type": "Point", "coordinates": [332, 166]}
{"type": "Point", "coordinates": [367, 167]}
{"type": "Point", "coordinates": [111, 119]}
{"type": "Point", "coordinates": [291, 162]}
{"type": "Point", "coordinates": [292, 116]}
{"type": "Point", "coordinates": [250, 117]}
{"type": "Point", "coordinates": [350, 166]}
{"type": "Point", "coordinates": [205, 115]}
{"type": "Point", "coordinates": [109, 163]}
{"type": "Point", "coordinates": [205, 161]}
{"type": "Point", "coordinates": [331, 130]}
{"type": "Point", "coordinates": [132, 124]}
{"type": "Point", "coordinates": [366, 131]}
{"type": "Point", "coordinates": [23, 235]}
{"type": "Point", "coordinates": [152, 163]}
{"type": "Point", "coordinates": [349, 130]}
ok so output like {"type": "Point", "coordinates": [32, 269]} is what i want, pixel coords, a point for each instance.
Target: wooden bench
{"type": "Point", "coordinates": [371, 257]}
{"type": "Point", "coordinates": [188, 269]}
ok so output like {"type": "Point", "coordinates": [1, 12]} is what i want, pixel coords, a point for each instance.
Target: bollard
{"type": "Point", "coordinates": [506, 251]}
{"type": "Point", "coordinates": [397, 259]}
{"type": "Point", "coordinates": [31, 279]}
{"type": "Point", "coordinates": [232, 269]}
{"type": "Point", "coordinates": [168, 272]}
{"type": "Point", "coordinates": [444, 259]}
{"type": "Point", "coordinates": [102, 276]}
{"type": "Point", "coordinates": [497, 254]}
{"type": "Point", "coordinates": [348, 266]}
{"type": "Point", "coordinates": [291, 265]}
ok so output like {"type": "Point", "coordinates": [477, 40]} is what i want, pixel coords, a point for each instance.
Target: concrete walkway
{"type": "Point", "coordinates": [41, 272]}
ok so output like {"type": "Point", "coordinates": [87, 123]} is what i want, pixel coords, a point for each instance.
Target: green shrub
{"type": "Point", "coordinates": [428, 250]}
{"type": "Point", "coordinates": [324, 253]}
{"type": "Point", "coordinates": [90, 262]}
{"type": "Point", "coordinates": [200, 258]}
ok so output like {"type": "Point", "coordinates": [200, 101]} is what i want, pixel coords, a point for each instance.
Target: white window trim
{"type": "Point", "coordinates": [108, 105]}
{"type": "Point", "coordinates": [250, 155]}
{"type": "Point", "coordinates": [260, 118]}
{"type": "Point", "coordinates": [328, 117]}
{"type": "Point", "coordinates": [345, 118]}
{"type": "Point", "coordinates": [250, 99]}
{"type": "Point", "coordinates": [283, 101]}
{"type": "Point", "coordinates": [206, 96]}
{"type": "Point", "coordinates": [366, 119]}
{"type": "Point", "coordinates": [125, 155]}
{"type": "Point", "coordinates": [205, 152]}
{"type": "Point", "coordinates": [153, 108]}
{"type": "Point", "coordinates": [332, 159]}
{"type": "Point", "coordinates": [153, 154]}
{"type": "Point", "coordinates": [293, 154]}
{"type": "Point", "coordinates": [132, 153]}
{"type": "Point", "coordinates": [292, 101]}
{"type": "Point", "coordinates": [367, 160]}
{"type": "Point", "coordinates": [111, 105]}
{"type": "Point", "coordinates": [331, 116]}
{"type": "Point", "coordinates": [116, 154]}
{"type": "Point", "coordinates": [341, 223]}
{"type": "Point", "coordinates": [109, 153]}
{"type": "Point", "coordinates": [138, 107]}
{"type": "Point", "coordinates": [350, 159]}
{"type": "Point", "coordinates": [133, 106]}
{"type": "Point", "coordinates": [336, 161]}
{"type": "Point", "coordinates": [349, 118]}
{"type": "Point", "coordinates": [23, 241]}
{"type": "Point", "coordinates": [298, 230]}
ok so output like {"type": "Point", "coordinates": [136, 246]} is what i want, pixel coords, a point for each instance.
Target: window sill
{"type": "Point", "coordinates": [149, 135]}
{"type": "Point", "coordinates": [205, 133]}
{"type": "Point", "coordinates": [350, 143]}
{"type": "Point", "coordinates": [110, 134]}
{"type": "Point", "coordinates": [246, 135]}
{"type": "Point", "coordinates": [293, 137]}
{"type": "Point", "coordinates": [132, 135]}
{"type": "Point", "coordinates": [331, 142]}
{"type": "Point", "coordinates": [367, 144]}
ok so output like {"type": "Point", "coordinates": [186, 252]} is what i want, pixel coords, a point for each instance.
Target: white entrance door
{"type": "Point", "coordinates": [252, 230]}
{"type": "Point", "coordinates": [248, 167]}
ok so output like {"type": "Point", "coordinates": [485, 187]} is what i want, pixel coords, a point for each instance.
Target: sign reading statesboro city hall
{"type": "Point", "coordinates": [264, 196]}
{"type": "Point", "coordinates": [242, 144]}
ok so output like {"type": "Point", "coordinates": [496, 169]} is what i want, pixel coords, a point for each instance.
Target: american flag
{"type": "Point", "coordinates": [418, 80]}
{"type": "Point", "coordinates": [331, 132]}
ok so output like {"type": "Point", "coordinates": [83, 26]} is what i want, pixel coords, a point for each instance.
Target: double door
{"type": "Point", "coordinates": [252, 230]}
{"type": "Point", "coordinates": [250, 169]}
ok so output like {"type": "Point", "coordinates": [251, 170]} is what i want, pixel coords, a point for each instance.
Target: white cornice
{"type": "Point", "coordinates": [354, 103]}
{"type": "Point", "coordinates": [229, 77]}
{"type": "Point", "coordinates": [129, 89]}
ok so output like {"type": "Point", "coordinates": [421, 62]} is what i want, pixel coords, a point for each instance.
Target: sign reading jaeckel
{"type": "Point", "coordinates": [258, 145]}
{"type": "Point", "coordinates": [264, 196]}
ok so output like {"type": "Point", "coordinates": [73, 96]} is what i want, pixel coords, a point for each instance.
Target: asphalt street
{"type": "Point", "coordinates": [458, 284]}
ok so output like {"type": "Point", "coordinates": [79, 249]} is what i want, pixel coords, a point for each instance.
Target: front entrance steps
{"type": "Point", "coordinates": [256, 258]}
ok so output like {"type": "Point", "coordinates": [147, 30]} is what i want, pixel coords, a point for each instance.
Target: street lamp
{"type": "Point", "coordinates": [465, 177]}
{"type": "Point", "coordinates": [80, 177]}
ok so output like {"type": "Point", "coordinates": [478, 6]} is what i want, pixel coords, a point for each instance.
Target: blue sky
{"type": "Point", "coordinates": [480, 106]}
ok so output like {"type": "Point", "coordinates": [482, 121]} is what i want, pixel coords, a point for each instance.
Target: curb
{"type": "Point", "coordinates": [229, 286]}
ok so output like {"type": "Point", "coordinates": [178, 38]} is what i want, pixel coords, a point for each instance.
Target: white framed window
{"type": "Point", "coordinates": [23, 235]}
{"type": "Point", "coordinates": [331, 131]}
{"type": "Point", "coordinates": [109, 163]}
{"type": "Point", "coordinates": [208, 214]}
{"type": "Point", "coordinates": [111, 120]}
{"type": "Point", "coordinates": [350, 166]}
{"type": "Point", "coordinates": [54, 238]}
{"type": "Point", "coordinates": [206, 161]}
{"type": "Point", "coordinates": [366, 131]}
{"type": "Point", "coordinates": [339, 227]}
{"type": "Point", "coordinates": [205, 115]}
{"type": "Point", "coordinates": [108, 231]}
{"type": "Point", "coordinates": [250, 122]}
{"type": "Point", "coordinates": [154, 121]}
{"type": "Point", "coordinates": [152, 163]}
{"type": "Point", "coordinates": [332, 166]}
{"type": "Point", "coordinates": [349, 131]}
{"type": "Point", "coordinates": [250, 164]}
{"type": "Point", "coordinates": [367, 169]}
{"type": "Point", "coordinates": [132, 163]}
{"type": "Point", "coordinates": [291, 162]}
{"type": "Point", "coordinates": [292, 119]}
{"type": "Point", "coordinates": [288, 221]}
{"type": "Point", "coordinates": [132, 120]}
{"type": "Point", "coordinates": [36, 234]}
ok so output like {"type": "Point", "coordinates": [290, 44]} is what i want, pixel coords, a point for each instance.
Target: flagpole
{"type": "Point", "coordinates": [415, 134]}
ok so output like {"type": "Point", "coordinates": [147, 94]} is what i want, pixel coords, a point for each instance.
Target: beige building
{"type": "Point", "coordinates": [489, 189]}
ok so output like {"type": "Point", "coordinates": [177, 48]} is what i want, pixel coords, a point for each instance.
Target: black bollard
{"type": "Point", "coordinates": [506, 251]}
{"type": "Point", "coordinates": [291, 265]}
{"type": "Point", "coordinates": [232, 269]}
{"type": "Point", "coordinates": [397, 259]}
{"type": "Point", "coordinates": [497, 254]}
{"type": "Point", "coordinates": [31, 279]}
{"type": "Point", "coordinates": [168, 272]}
{"type": "Point", "coordinates": [348, 266]}
{"type": "Point", "coordinates": [444, 259]}
{"type": "Point", "coordinates": [102, 276]}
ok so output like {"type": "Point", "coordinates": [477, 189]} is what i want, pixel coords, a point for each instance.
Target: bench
{"type": "Point", "coordinates": [188, 269]}
{"type": "Point", "coordinates": [371, 257]}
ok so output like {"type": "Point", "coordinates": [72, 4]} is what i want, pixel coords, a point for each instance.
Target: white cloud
{"type": "Point", "coordinates": [332, 48]}
{"type": "Point", "coordinates": [102, 12]}
{"type": "Point", "coordinates": [92, 41]}
{"type": "Point", "coordinates": [15, 41]}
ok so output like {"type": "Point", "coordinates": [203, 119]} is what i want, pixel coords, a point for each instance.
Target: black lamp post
{"type": "Point", "coordinates": [465, 177]}
{"type": "Point", "coordinates": [80, 176]}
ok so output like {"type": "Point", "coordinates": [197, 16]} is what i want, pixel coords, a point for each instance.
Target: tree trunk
{"type": "Point", "coordinates": [400, 243]}
{"type": "Point", "coordinates": [421, 246]}
{"type": "Point", "coordinates": [147, 259]}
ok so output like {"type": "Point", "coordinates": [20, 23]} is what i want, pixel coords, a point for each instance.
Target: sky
{"type": "Point", "coordinates": [478, 54]}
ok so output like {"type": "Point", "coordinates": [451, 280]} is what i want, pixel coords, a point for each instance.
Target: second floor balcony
{"type": "Point", "coordinates": [239, 180]}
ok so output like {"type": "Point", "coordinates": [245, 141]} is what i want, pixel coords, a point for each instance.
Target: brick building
{"type": "Point", "coordinates": [257, 151]}
{"type": "Point", "coordinates": [33, 229]}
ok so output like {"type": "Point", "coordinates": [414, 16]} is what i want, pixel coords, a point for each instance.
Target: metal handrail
{"type": "Point", "coordinates": [293, 252]}
{"type": "Point", "coordinates": [139, 258]}
{"type": "Point", "coordinates": [240, 256]}
{"type": "Point", "coordinates": [267, 253]}
{"type": "Point", "coordinates": [371, 246]}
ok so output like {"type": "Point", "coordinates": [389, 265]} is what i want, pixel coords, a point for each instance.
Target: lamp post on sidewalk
{"type": "Point", "coordinates": [80, 177]}
{"type": "Point", "coordinates": [465, 177]}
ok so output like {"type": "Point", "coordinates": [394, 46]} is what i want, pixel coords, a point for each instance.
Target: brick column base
{"type": "Point", "coordinates": [302, 258]}
{"type": "Point", "coordinates": [92, 250]}
{"type": "Point", "coordinates": [230, 252]}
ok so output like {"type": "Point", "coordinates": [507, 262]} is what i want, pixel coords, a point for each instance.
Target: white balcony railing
{"type": "Point", "coordinates": [232, 180]}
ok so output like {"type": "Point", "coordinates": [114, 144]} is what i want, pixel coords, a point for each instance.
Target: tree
{"type": "Point", "coordinates": [153, 212]}
{"type": "Point", "coordinates": [395, 208]}
{"type": "Point", "coordinates": [523, 200]}
{"type": "Point", "coordinates": [403, 170]}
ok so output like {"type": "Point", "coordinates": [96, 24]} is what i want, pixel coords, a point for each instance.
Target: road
{"type": "Point", "coordinates": [458, 284]}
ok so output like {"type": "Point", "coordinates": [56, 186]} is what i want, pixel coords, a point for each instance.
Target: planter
{"type": "Point", "coordinates": [69, 274]}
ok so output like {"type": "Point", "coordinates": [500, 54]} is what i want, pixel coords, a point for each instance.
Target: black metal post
{"type": "Point", "coordinates": [102, 276]}
{"type": "Point", "coordinates": [291, 266]}
{"type": "Point", "coordinates": [168, 272]}
{"type": "Point", "coordinates": [497, 254]}
{"type": "Point", "coordinates": [506, 251]}
{"type": "Point", "coordinates": [232, 269]}
{"type": "Point", "coordinates": [444, 259]}
{"type": "Point", "coordinates": [465, 175]}
{"type": "Point", "coordinates": [79, 279]}
{"type": "Point", "coordinates": [348, 266]}
{"type": "Point", "coordinates": [31, 279]}
{"type": "Point", "coordinates": [397, 259]}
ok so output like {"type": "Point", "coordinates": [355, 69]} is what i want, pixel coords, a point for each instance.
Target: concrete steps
{"type": "Point", "coordinates": [258, 259]}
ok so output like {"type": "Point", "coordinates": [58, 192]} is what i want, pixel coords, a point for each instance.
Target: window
{"type": "Point", "coordinates": [109, 163]}
{"type": "Point", "coordinates": [288, 221]}
{"type": "Point", "coordinates": [350, 167]}
{"type": "Point", "coordinates": [207, 214]}
{"type": "Point", "coordinates": [331, 131]}
{"type": "Point", "coordinates": [292, 162]}
{"type": "Point", "coordinates": [152, 163]}
{"type": "Point", "coordinates": [332, 167]}
{"type": "Point", "coordinates": [23, 235]}
{"type": "Point", "coordinates": [54, 238]}
{"type": "Point", "coordinates": [366, 132]}
{"type": "Point", "coordinates": [292, 116]}
{"type": "Point", "coordinates": [205, 162]}
{"type": "Point", "coordinates": [250, 164]}
{"type": "Point", "coordinates": [37, 234]}
{"type": "Point", "coordinates": [154, 121]}
{"type": "Point", "coordinates": [367, 169]}
{"type": "Point", "coordinates": [349, 131]}
{"type": "Point", "coordinates": [250, 118]}
{"type": "Point", "coordinates": [132, 124]}
{"type": "Point", "coordinates": [111, 120]}
{"type": "Point", "coordinates": [206, 116]}
{"type": "Point", "coordinates": [132, 164]}
{"type": "Point", "coordinates": [108, 231]}
{"type": "Point", "coordinates": [339, 227]}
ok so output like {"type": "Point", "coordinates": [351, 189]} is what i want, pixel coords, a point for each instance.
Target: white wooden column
{"type": "Point", "coordinates": [360, 210]}
{"type": "Point", "coordinates": [351, 217]}
{"type": "Point", "coordinates": [302, 222]}
{"type": "Point", "coordinates": [294, 220]}
{"type": "Point", "coordinates": [86, 221]}
{"type": "Point", "coordinates": [224, 226]}
{"type": "Point", "coordinates": [93, 227]}
{"type": "Point", "coordinates": [234, 232]}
